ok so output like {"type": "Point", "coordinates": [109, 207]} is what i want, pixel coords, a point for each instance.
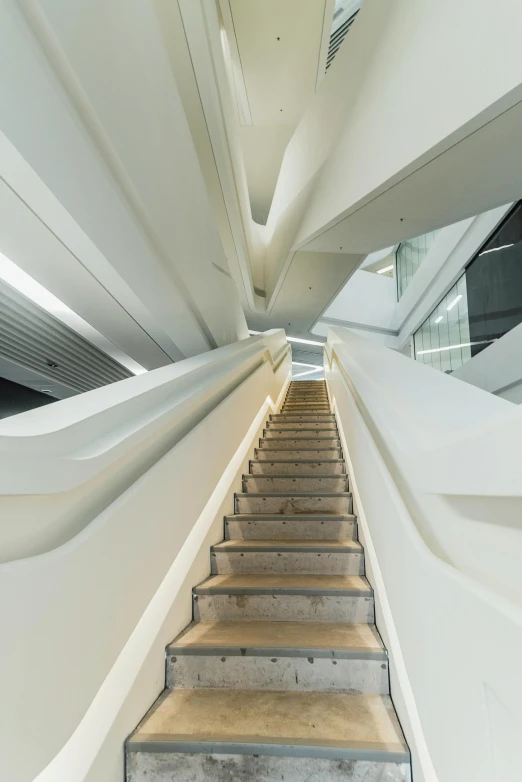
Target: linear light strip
{"type": "Point", "coordinates": [293, 339]}
{"type": "Point", "coordinates": [454, 347]}
{"type": "Point", "coordinates": [496, 249]}
{"type": "Point", "coordinates": [33, 290]}
{"type": "Point", "coordinates": [386, 269]}
{"type": "Point", "coordinates": [455, 301]}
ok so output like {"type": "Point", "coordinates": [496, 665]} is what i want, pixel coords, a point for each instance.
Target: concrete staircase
{"type": "Point", "coordinates": [282, 674]}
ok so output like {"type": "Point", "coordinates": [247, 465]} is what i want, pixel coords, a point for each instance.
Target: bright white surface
{"type": "Point", "coordinates": [98, 609]}
{"type": "Point", "coordinates": [439, 494]}
{"type": "Point", "coordinates": [366, 299]}
{"type": "Point", "coordinates": [121, 188]}
{"type": "Point", "coordinates": [368, 178]}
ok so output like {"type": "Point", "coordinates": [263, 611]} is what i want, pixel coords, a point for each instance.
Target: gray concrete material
{"type": "Point", "coordinates": [305, 482]}
{"type": "Point", "coordinates": [167, 766]}
{"type": "Point", "coordinates": [284, 598]}
{"type": "Point", "coordinates": [297, 425]}
{"type": "Point", "coordinates": [287, 527]}
{"type": "Point", "coordinates": [299, 442]}
{"type": "Point", "coordinates": [301, 433]}
{"type": "Point", "coordinates": [289, 673]}
{"type": "Point", "coordinates": [270, 454]}
{"type": "Point", "coordinates": [316, 562]}
{"type": "Point", "coordinates": [305, 639]}
{"type": "Point", "coordinates": [320, 724]}
{"type": "Point", "coordinates": [301, 467]}
{"type": "Point", "coordinates": [319, 417]}
{"type": "Point", "coordinates": [290, 584]}
{"type": "Point", "coordinates": [296, 502]}
{"type": "Point", "coordinates": [284, 608]}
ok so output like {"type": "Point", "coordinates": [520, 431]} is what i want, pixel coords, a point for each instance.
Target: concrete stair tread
{"type": "Point", "coordinates": [333, 516]}
{"type": "Point", "coordinates": [301, 476]}
{"type": "Point", "coordinates": [335, 725]}
{"type": "Point", "coordinates": [251, 495]}
{"type": "Point", "coordinates": [284, 583]}
{"type": "Point", "coordinates": [295, 544]}
{"type": "Point", "coordinates": [328, 639]}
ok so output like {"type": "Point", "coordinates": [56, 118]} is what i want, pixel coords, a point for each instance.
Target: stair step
{"type": "Point", "coordinates": [306, 405]}
{"type": "Point", "coordinates": [295, 502]}
{"type": "Point", "coordinates": [284, 597]}
{"type": "Point", "coordinates": [286, 656]}
{"type": "Point", "coordinates": [217, 734]}
{"type": "Point", "coordinates": [302, 417]}
{"type": "Point", "coordinates": [297, 467]}
{"type": "Point", "coordinates": [300, 425]}
{"type": "Point", "coordinates": [329, 557]}
{"type": "Point", "coordinates": [297, 454]}
{"type": "Point", "coordinates": [312, 434]}
{"type": "Point", "coordinates": [307, 482]}
{"type": "Point", "coordinates": [300, 442]}
{"type": "Point", "coordinates": [309, 526]}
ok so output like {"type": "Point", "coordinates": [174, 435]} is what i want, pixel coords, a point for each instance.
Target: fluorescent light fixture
{"type": "Point", "coordinates": [496, 249]}
{"type": "Point", "coordinates": [305, 341]}
{"type": "Point", "coordinates": [454, 347]}
{"type": "Point", "coordinates": [386, 269]}
{"type": "Point", "coordinates": [25, 284]}
{"type": "Point", "coordinates": [455, 300]}
{"type": "Point", "coordinates": [301, 364]}
{"type": "Point", "coordinates": [439, 319]}
{"type": "Point", "coordinates": [310, 372]}
{"type": "Point", "coordinates": [293, 339]}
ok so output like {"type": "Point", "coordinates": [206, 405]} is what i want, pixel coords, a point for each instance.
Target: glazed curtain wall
{"type": "Point", "coordinates": [409, 257]}
{"type": "Point", "coordinates": [484, 304]}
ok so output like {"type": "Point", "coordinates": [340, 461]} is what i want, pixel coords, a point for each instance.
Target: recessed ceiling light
{"type": "Point", "coordinates": [386, 269]}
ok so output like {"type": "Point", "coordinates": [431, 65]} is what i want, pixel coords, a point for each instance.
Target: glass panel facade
{"type": "Point", "coordinates": [410, 255]}
{"type": "Point", "coordinates": [443, 339]}
{"type": "Point", "coordinates": [482, 306]}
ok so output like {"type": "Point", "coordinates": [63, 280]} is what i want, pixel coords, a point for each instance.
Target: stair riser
{"type": "Point", "coordinates": [187, 767]}
{"type": "Point", "coordinates": [306, 434]}
{"type": "Point", "coordinates": [287, 562]}
{"type": "Point", "coordinates": [265, 454]}
{"type": "Point", "coordinates": [291, 529]}
{"type": "Point", "coordinates": [296, 468]}
{"type": "Point", "coordinates": [260, 484]}
{"type": "Point", "coordinates": [307, 398]}
{"type": "Point", "coordinates": [299, 442]}
{"type": "Point", "coordinates": [284, 608]}
{"type": "Point", "coordinates": [296, 674]}
{"type": "Point", "coordinates": [279, 418]}
{"type": "Point", "coordinates": [311, 406]}
{"type": "Point", "coordinates": [292, 505]}
{"type": "Point", "coordinates": [297, 426]}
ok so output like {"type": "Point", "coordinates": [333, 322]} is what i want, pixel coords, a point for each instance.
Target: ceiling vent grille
{"type": "Point", "coordinates": [337, 38]}
{"type": "Point", "coordinates": [35, 340]}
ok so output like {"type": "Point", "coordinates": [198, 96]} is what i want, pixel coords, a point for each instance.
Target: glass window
{"type": "Point", "coordinates": [410, 255]}
{"type": "Point", "coordinates": [482, 306]}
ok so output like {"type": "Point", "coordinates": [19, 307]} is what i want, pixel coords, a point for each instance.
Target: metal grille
{"type": "Point", "coordinates": [337, 38]}
{"type": "Point", "coordinates": [35, 340]}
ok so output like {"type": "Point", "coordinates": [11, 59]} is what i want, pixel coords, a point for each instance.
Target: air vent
{"type": "Point", "coordinates": [337, 38]}
{"type": "Point", "coordinates": [33, 339]}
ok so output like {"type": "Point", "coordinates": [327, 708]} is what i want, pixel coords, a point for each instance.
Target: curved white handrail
{"type": "Point", "coordinates": [85, 622]}
{"type": "Point", "coordinates": [62, 464]}
{"type": "Point", "coordinates": [446, 570]}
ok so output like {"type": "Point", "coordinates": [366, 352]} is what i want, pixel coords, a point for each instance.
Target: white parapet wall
{"type": "Point", "coordinates": [108, 504]}
{"type": "Point", "coordinates": [434, 468]}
